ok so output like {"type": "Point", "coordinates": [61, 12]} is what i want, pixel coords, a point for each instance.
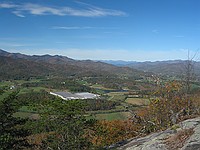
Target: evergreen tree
{"type": "Point", "coordinates": [12, 133]}
{"type": "Point", "coordinates": [64, 123]}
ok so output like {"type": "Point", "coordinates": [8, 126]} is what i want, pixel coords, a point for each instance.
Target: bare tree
{"type": "Point", "coordinates": [189, 77]}
{"type": "Point", "coordinates": [189, 71]}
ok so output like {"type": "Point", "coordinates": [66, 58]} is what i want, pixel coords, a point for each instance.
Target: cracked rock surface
{"type": "Point", "coordinates": [156, 141]}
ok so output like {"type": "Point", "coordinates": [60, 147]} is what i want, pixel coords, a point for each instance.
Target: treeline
{"type": "Point", "coordinates": [35, 97]}
{"type": "Point", "coordinates": [59, 83]}
{"type": "Point", "coordinates": [99, 104]}
{"type": "Point", "coordinates": [112, 82]}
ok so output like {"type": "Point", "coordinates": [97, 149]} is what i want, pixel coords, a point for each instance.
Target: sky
{"type": "Point", "coordinates": [131, 30]}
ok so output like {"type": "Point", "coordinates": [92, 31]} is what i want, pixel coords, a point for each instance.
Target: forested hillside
{"type": "Point", "coordinates": [23, 66]}
{"type": "Point", "coordinates": [166, 68]}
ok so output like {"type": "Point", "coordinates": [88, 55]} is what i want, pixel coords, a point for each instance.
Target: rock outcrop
{"type": "Point", "coordinates": [183, 136]}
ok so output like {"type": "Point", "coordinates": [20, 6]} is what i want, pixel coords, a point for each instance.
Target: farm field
{"type": "Point", "coordinates": [137, 101]}
{"type": "Point", "coordinates": [98, 86]}
{"type": "Point", "coordinates": [117, 96]}
{"type": "Point", "coordinates": [112, 116]}
{"type": "Point", "coordinates": [121, 99]}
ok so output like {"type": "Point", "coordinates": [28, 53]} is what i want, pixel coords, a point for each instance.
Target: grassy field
{"type": "Point", "coordinates": [117, 96]}
{"type": "Point", "coordinates": [112, 116]}
{"type": "Point", "coordinates": [137, 101]}
{"type": "Point", "coordinates": [98, 86]}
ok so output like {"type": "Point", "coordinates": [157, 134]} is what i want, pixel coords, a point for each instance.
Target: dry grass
{"type": "Point", "coordinates": [137, 101]}
{"type": "Point", "coordinates": [113, 116]}
{"type": "Point", "coordinates": [178, 140]}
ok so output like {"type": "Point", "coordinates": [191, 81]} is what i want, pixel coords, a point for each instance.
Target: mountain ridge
{"type": "Point", "coordinates": [166, 67]}
{"type": "Point", "coordinates": [60, 65]}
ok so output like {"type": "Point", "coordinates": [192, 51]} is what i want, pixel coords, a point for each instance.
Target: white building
{"type": "Point", "coordinates": [71, 96]}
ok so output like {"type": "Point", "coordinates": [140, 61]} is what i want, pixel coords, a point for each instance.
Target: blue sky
{"type": "Point", "coordinates": [136, 30]}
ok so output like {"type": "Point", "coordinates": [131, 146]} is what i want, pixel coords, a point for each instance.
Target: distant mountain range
{"type": "Point", "coordinates": [170, 67]}
{"type": "Point", "coordinates": [118, 62]}
{"type": "Point", "coordinates": [17, 66]}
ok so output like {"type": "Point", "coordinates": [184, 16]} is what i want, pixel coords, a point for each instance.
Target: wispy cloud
{"type": "Point", "coordinates": [21, 10]}
{"type": "Point", "coordinates": [8, 5]}
{"type": "Point", "coordinates": [81, 27]}
{"type": "Point", "coordinates": [18, 13]}
{"type": "Point", "coordinates": [72, 27]}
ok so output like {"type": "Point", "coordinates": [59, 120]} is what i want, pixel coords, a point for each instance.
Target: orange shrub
{"type": "Point", "coordinates": [108, 132]}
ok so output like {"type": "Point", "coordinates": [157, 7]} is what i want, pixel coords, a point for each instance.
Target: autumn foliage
{"type": "Point", "coordinates": [105, 133]}
{"type": "Point", "coordinates": [169, 105]}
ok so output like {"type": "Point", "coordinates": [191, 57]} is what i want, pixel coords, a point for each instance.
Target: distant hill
{"type": "Point", "coordinates": [173, 67]}
{"type": "Point", "coordinates": [37, 58]}
{"type": "Point", "coordinates": [118, 62]}
{"type": "Point", "coordinates": [170, 67]}
{"type": "Point", "coordinates": [17, 65]}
